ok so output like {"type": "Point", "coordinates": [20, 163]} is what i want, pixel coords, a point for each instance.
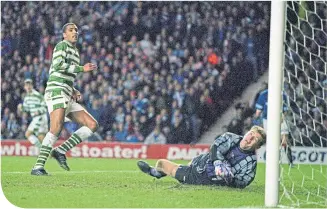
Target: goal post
{"type": "Point", "coordinates": [298, 68]}
{"type": "Point", "coordinates": [275, 80]}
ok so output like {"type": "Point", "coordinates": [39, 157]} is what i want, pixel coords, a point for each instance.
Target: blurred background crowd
{"type": "Point", "coordinates": [305, 77]}
{"type": "Point", "coordinates": [167, 70]}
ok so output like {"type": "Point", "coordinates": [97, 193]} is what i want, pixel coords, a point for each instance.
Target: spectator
{"type": "Point", "coordinates": [160, 50]}
{"type": "Point", "coordinates": [12, 126]}
{"type": "Point", "coordinates": [155, 137]}
{"type": "Point", "coordinates": [120, 132]}
{"type": "Point", "coordinates": [179, 133]}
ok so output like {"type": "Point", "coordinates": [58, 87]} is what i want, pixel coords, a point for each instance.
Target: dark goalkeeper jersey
{"type": "Point", "coordinates": [243, 163]}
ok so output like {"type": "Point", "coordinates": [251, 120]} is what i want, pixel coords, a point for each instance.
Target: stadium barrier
{"type": "Point", "coordinates": [301, 155]}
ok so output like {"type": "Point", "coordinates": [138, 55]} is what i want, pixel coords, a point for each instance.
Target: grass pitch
{"type": "Point", "coordinates": [117, 183]}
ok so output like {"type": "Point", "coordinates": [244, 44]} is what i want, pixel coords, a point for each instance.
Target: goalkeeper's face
{"type": "Point", "coordinates": [251, 141]}
{"type": "Point", "coordinates": [71, 33]}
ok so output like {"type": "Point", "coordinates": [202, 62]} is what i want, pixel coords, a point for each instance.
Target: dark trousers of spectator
{"type": "Point", "coordinates": [195, 125]}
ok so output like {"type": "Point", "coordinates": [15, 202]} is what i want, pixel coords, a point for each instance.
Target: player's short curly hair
{"type": "Point", "coordinates": [262, 133]}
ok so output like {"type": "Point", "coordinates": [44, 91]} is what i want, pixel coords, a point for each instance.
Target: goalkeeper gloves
{"type": "Point", "coordinates": [224, 170]}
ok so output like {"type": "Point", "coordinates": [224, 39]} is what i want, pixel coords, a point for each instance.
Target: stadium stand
{"type": "Point", "coordinates": [170, 66]}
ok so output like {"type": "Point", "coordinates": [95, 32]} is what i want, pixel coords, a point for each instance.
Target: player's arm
{"type": "Point", "coordinates": [257, 113]}
{"type": "Point", "coordinates": [284, 139]}
{"type": "Point", "coordinates": [60, 65]}
{"type": "Point", "coordinates": [284, 130]}
{"type": "Point", "coordinates": [220, 147]}
{"type": "Point", "coordinates": [245, 176]}
{"type": "Point", "coordinates": [20, 107]}
{"type": "Point", "coordinates": [259, 106]}
{"type": "Point", "coordinates": [23, 107]}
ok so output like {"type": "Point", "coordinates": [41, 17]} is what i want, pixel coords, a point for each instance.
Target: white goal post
{"type": "Point", "coordinates": [298, 68]}
{"type": "Point", "coordinates": [276, 54]}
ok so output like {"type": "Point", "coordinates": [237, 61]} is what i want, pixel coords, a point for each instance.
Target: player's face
{"type": "Point", "coordinates": [250, 141]}
{"type": "Point", "coordinates": [28, 87]}
{"type": "Point", "coordinates": [71, 33]}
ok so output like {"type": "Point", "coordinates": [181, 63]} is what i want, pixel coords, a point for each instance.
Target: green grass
{"type": "Point", "coordinates": [117, 183]}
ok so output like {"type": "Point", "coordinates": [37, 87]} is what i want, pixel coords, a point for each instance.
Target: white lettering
{"type": "Point", "coordinates": [117, 151]}
{"type": "Point", "coordinates": [75, 152]}
{"type": "Point", "coordinates": [175, 153]}
{"type": "Point", "coordinates": [94, 152]}
{"type": "Point", "coordinates": [20, 150]}
{"type": "Point", "coordinates": [85, 150]}
{"type": "Point", "coordinates": [7, 150]}
{"type": "Point", "coordinates": [172, 153]}
{"type": "Point", "coordinates": [137, 152]}
{"type": "Point", "coordinates": [143, 148]}
{"type": "Point", "coordinates": [107, 152]}
{"type": "Point", "coordinates": [127, 153]}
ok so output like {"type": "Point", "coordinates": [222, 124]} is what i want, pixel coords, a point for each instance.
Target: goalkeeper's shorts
{"type": "Point", "coordinates": [193, 174]}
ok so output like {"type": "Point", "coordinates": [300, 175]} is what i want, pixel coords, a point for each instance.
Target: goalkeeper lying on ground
{"type": "Point", "coordinates": [231, 162]}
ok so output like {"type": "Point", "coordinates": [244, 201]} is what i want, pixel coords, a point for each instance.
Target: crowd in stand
{"type": "Point", "coordinates": [305, 80]}
{"type": "Point", "coordinates": [166, 70]}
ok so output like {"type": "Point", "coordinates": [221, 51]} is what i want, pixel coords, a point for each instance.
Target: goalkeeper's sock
{"type": "Point", "coordinates": [158, 174]}
{"type": "Point", "coordinates": [34, 140]}
{"type": "Point", "coordinates": [45, 150]}
{"type": "Point", "coordinates": [80, 135]}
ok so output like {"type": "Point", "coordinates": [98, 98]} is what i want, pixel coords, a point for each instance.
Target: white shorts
{"type": "Point", "coordinates": [283, 128]}
{"type": "Point", "coordinates": [39, 125]}
{"type": "Point", "coordinates": [61, 101]}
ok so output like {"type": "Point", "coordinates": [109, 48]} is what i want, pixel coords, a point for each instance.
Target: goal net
{"type": "Point", "coordinates": [305, 84]}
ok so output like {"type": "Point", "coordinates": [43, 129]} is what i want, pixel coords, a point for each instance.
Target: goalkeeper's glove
{"type": "Point", "coordinates": [224, 170]}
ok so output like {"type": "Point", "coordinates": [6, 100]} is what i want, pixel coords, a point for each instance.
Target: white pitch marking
{"type": "Point", "coordinates": [76, 172]}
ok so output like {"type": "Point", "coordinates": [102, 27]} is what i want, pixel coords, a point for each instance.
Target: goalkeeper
{"type": "Point", "coordinates": [231, 162]}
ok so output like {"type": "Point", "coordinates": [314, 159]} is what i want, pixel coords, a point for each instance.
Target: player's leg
{"type": "Point", "coordinates": [32, 138]}
{"type": "Point", "coordinates": [186, 174]}
{"type": "Point", "coordinates": [43, 128]}
{"type": "Point", "coordinates": [31, 130]}
{"type": "Point", "coordinates": [89, 125]}
{"type": "Point", "coordinates": [56, 123]}
{"type": "Point", "coordinates": [285, 142]}
{"type": "Point", "coordinates": [41, 136]}
{"type": "Point", "coordinates": [160, 170]}
{"type": "Point", "coordinates": [183, 173]}
{"type": "Point", "coordinates": [167, 167]}
{"type": "Point", "coordinates": [287, 148]}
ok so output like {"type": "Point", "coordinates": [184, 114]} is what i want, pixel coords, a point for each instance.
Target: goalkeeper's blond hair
{"type": "Point", "coordinates": [262, 133]}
